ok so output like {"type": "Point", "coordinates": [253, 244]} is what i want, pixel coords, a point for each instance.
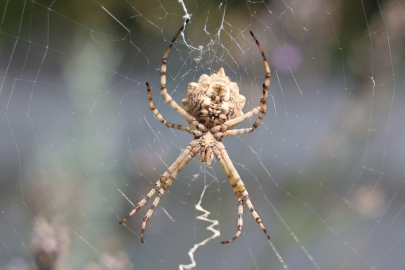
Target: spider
{"type": "Point", "coordinates": [212, 108]}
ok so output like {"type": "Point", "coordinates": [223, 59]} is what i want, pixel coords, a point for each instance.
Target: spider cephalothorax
{"type": "Point", "coordinates": [214, 99]}
{"type": "Point", "coordinates": [212, 108]}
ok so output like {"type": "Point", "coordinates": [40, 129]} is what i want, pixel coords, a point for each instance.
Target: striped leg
{"type": "Point", "coordinates": [262, 108]}
{"type": "Point", "coordinates": [237, 193]}
{"type": "Point", "coordinates": [162, 179]}
{"type": "Point", "coordinates": [241, 186]}
{"type": "Point", "coordinates": [256, 124]}
{"type": "Point", "coordinates": [167, 97]}
{"type": "Point", "coordinates": [164, 122]}
{"type": "Point", "coordinates": [167, 184]}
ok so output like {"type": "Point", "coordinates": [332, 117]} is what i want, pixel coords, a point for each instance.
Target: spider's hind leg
{"type": "Point", "coordinates": [193, 149]}
{"type": "Point", "coordinates": [159, 183]}
{"type": "Point", "coordinates": [237, 193]}
{"type": "Point", "coordinates": [241, 186]}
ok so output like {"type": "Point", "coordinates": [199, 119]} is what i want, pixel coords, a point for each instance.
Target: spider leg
{"type": "Point", "coordinates": [241, 186]}
{"type": "Point", "coordinates": [166, 185]}
{"type": "Point", "coordinates": [237, 193]}
{"type": "Point", "coordinates": [162, 179]}
{"type": "Point", "coordinates": [255, 125]}
{"type": "Point", "coordinates": [166, 123]}
{"type": "Point", "coordinates": [166, 96]}
{"type": "Point", "coordinates": [265, 85]}
{"type": "Point", "coordinates": [262, 108]}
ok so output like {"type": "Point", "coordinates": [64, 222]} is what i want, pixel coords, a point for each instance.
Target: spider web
{"type": "Point", "coordinates": [325, 168]}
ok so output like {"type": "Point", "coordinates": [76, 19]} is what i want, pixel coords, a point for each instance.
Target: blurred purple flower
{"type": "Point", "coordinates": [287, 56]}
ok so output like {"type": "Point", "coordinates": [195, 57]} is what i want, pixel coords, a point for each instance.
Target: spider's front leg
{"type": "Point", "coordinates": [262, 108]}
{"type": "Point", "coordinates": [166, 123]}
{"type": "Point", "coordinates": [240, 184]}
{"type": "Point", "coordinates": [191, 119]}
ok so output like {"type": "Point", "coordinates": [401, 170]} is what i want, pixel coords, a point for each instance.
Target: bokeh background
{"type": "Point", "coordinates": [325, 169]}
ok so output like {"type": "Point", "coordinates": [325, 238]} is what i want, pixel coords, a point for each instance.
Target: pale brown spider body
{"type": "Point", "coordinates": [206, 153]}
{"type": "Point", "coordinates": [212, 108]}
{"type": "Point", "coordinates": [213, 100]}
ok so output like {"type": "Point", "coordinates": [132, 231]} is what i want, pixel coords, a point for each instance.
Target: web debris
{"type": "Point", "coordinates": [203, 217]}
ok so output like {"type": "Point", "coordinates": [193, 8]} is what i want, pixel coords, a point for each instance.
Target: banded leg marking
{"type": "Point", "coordinates": [162, 179]}
{"type": "Point", "coordinates": [166, 123]}
{"type": "Point", "coordinates": [237, 193]}
{"type": "Point", "coordinates": [166, 185]}
{"type": "Point", "coordinates": [241, 186]}
{"type": "Point", "coordinates": [160, 117]}
{"type": "Point", "coordinates": [165, 95]}
{"type": "Point", "coordinates": [262, 108]}
{"type": "Point", "coordinates": [267, 76]}
{"type": "Point", "coordinates": [235, 121]}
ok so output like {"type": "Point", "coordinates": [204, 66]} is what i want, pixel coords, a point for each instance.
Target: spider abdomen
{"type": "Point", "coordinates": [214, 99]}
